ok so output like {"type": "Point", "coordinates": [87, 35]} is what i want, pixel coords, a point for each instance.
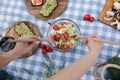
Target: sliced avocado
{"type": "Point", "coordinates": [22, 29]}
{"type": "Point", "coordinates": [48, 7]}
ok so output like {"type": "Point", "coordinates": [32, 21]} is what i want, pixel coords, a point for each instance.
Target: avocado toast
{"type": "Point", "coordinates": [48, 7]}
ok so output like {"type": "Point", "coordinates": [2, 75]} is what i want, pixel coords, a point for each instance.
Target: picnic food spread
{"type": "Point", "coordinates": [63, 32]}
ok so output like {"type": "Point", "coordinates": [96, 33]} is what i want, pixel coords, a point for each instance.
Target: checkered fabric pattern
{"type": "Point", "coordinates": [15, 10]}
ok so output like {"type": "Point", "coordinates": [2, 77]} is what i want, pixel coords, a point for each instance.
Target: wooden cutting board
{"type": "Point", "coordinates": [109, 5]}
{"type": "Point", "coordinates": [11, 32]}
{"type": "Point", "coordinates": [34, 10]}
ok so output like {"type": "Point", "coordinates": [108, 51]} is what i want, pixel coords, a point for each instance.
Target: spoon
{"type": "Point", "coordinates": [49, 40]}
{"type": "Point", "coordinates": [77, 36]}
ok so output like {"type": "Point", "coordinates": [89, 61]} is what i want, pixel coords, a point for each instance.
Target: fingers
{"type": "Point", "coordinates": [88, 38]}
{"type": "Point", "coordinates": [91, 38]}
{"type": "Point", "coordinates": [35, 37]}
{"type": "Point", "coordinates": [94, 36]}
{"type": "Point", "coordinates": [32, 45]}
{"type": "Point", "coordinates": [30, 37]}
{"type": "Point", "coordinates": [97, 38]}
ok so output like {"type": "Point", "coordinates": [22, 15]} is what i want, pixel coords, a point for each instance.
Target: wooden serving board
{"type": "Point", "coordinates": [11, 32]}
{"type": "Point", "coordinates": [34, 10]}
{"type": "Point", "coordinates": [108, 6]}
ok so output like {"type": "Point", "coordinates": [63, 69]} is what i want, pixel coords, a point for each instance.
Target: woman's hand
{"type": "Point", "coordinates": [94, 46]}
{"type": "Point", "coordinates": [23, 48]}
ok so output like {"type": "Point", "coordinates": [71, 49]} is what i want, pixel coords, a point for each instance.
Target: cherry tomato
{"type": "Point", "coordinates": [55, 27]}
{"type": "Point", "coordinates": [66, 47]}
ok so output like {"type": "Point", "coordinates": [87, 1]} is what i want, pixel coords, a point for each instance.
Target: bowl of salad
{"type": "Point", "coordinates": [62, 32]}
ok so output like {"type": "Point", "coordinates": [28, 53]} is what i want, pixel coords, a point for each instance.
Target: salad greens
{"type": "Point", "coordinates": [63, 33]}
{"type": "Point", "coordinates": [114, 73]}
{"type": "Point", "coordinates": [50, 70]}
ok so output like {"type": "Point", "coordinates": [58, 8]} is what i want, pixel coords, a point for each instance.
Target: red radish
{"type": "Point", "coordinates": [66, 36]}
{"type": "Point", "coordinates": [55, 27]}
{"type": "Point", "coordinates": [49, 49]}
{"type": "Point", "coordinates": [86, 17]}
{"type": "Point", "coordinates": [66, 47]}
{"type": "Point", "coordinates": [44, 51]}
{"type": "Point", "coordinates": [91, 19]}
{"type": "Point", "coordinates": [43, 46]}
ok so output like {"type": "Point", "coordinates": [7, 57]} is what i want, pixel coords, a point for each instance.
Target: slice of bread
{"type": "Point", "coordinates": [22, 29]}
{"type": "Point", "coordinates": [48, 7]}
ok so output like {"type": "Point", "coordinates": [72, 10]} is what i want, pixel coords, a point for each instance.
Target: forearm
{"type": "Point", "coordinates": [76, 70]}
{"type": "Point", "coordinates": [5, 58]}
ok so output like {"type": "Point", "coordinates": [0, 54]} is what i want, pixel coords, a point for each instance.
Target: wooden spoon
{"type": "Point", "coordinates": [77, 36]}
{"type": "Point", "coordinates": [49, 39]}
